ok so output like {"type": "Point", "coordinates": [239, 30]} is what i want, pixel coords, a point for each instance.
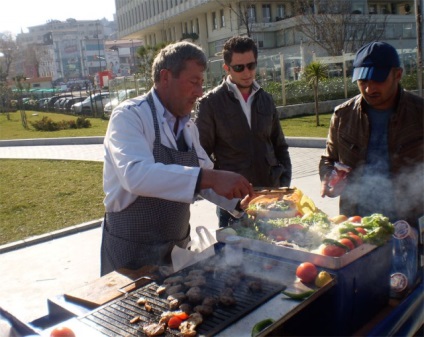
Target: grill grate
{"type": "Point", "coordinates": [113, 319]}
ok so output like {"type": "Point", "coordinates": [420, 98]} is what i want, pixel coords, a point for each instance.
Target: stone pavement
{"type": "Point", "coordinates": [60, 263]}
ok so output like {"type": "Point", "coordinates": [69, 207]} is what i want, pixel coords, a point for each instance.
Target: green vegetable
{"type": "Point", "coordinates": [298, 296]}
{"type": "Point", "coordinates": [379, 229]}
{"type": "Point", "coordinates": [260, 326]}
{"type": "Point", "coordinates": [336, 243]}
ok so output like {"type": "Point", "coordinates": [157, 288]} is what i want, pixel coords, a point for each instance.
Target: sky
{"type": "Point", "coordinates": [17, 15]}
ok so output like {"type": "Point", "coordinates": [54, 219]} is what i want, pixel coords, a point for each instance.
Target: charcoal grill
{"type": "Point", "coordinates": [113, 319]}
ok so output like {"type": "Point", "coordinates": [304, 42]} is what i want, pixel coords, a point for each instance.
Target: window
{"type": "Point", "coordinates": [281, 12]}
{"type": "Point", "coordinates": [214, 21]}
{"type": "Point", "coordinates": [221, 12]}
{"type": "Point", "coordinates": [266, 13]}
{"type": "Point", "coordinates": [251, 13]}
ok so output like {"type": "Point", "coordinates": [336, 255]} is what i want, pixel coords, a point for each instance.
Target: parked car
{"type": "Point", "coordinates": [71, 101]}
{"type": "Point", "coordinates": [94, 101]}
{"type": "Point", "coordinates": [58, 104]}
{"type": "Point", "coordinates": [53, 99]}
{"type": "Point", "coordinates": [120, 97]}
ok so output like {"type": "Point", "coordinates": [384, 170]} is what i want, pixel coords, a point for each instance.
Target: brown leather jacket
{"type": "Point", "coordinates": [259, 153]}
{"type": "Point", "coordinates": [347, 143]}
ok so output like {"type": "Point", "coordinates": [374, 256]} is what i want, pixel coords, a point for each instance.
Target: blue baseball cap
{"type": "Point", "coordinates": [374, 61]}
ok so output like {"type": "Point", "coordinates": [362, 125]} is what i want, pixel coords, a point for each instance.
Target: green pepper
{"type": "Point", "coordinates": [336, 243]}
{"type": "Point", "coordinates": [260, 326]}
{"type": "Point", "coordinates": [298, 296]}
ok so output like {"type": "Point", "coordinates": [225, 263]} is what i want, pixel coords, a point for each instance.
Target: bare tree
{"type": "Point", "coordinates": [335, 26]}
{"type": "Point", "coordinates": [7, 49]}
{"type": "Point", "coordinates": [244, 10]}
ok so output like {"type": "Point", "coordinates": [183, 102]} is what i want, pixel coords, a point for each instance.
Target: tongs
{"type": "Point", "coordinates": [126, 293]}
{"type": "Point", "coordinates": [273, 190]}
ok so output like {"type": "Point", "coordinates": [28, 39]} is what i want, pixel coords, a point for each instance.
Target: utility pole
{"type": "Point", "coordinates": [419, 13]}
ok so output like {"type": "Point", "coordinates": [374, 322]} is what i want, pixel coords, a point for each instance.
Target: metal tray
{"type": "Point", "coordinates": [293, 254]}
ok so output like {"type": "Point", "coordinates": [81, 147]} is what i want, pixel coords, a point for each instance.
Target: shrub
{"type": "Point", "coordinates": [47, 124]}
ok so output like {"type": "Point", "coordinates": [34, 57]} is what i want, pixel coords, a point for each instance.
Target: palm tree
{"type": "Point", "coordinates": [315, 72]}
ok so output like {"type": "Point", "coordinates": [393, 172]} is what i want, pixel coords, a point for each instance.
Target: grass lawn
{"type": "Point", "coordinates": [40, 196]}
{"type": "Point", "coordinates": [304, 126]}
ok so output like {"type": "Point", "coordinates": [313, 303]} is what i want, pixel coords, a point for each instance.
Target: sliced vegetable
{"type": "Point", "coordinates": [260, 326]}
{"type": "Point", "coordinates": [335, 243]}
{"type": "Point", "coordinates": [356, 238]}
{"type": "Point", "coordinates": [298, 296]}
{"type": "Point", "coordinates": [356, 219]}
{"type": "Point", "coordinates": [174, 322]}
{"type": "Point", "coordinates": [348, 242]}
{"type": "Point", "coordinates": [333, 250]}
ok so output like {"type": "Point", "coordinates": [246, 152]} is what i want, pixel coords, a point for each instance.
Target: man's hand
{"type": "Point", "coordinates": [225, 183]}
{"type": "Point", "coordinates": [332, 192]}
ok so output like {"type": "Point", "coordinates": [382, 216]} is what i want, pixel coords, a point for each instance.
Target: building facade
{"type": "Point", "coordinates": [273, 24]}
{"type": "Point", "coordinates": [70, 50]}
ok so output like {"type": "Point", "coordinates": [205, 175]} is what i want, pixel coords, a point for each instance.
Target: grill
{"type": "Point", "coordinates": [113, 319]}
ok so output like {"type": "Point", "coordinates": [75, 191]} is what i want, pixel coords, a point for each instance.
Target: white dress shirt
{"type": "Point", "coordinates": [130, 169]}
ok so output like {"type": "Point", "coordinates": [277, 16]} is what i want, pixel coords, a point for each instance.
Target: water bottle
{"type": "Point", "coordinates": [405, 259]}
{"type": "Point", "coordinates": [233, 250]}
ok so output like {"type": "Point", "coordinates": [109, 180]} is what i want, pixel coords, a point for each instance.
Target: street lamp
{"type": "Point", "coordinates": [132, 56]}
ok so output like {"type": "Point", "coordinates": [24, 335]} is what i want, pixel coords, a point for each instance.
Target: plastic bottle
{"type": "Point", "coordinates": [405, 259]}
{"type": "Point", "coordinates": [233, 250]}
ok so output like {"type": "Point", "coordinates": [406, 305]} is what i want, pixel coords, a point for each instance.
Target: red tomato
{"type": "Point", "coordinates": [348, 243]}
{"type": "Point", "coordinates": [361, 230]}
{"type": "Point", "coordinates": [355, 218]}
{"type": "Point", "coordinates": [181, 315]}
{"type": "Point", "coordinates": [279, 234]}
{"type": "Point", "coordinates": [307, 272]}
{"type": "Point", "coordinates": [62, 332]}
{"type": "Point", "coordinates": [356, 238]}
{"type": "Point", "coordinates": [333, 250]}
{"type": "Point", "coordinates": [174, 322]}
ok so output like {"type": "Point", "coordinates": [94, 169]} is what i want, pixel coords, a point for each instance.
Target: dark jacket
{"type": "Point", "coordinates": [260, 154]}
{"type": "Point", "coordinates": [347, 143]}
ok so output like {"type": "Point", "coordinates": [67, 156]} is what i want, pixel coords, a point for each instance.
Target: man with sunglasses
{"type": "Point", "coordinates": [239, 126]}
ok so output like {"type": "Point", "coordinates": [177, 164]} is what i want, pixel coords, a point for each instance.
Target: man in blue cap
{"type": "Point", "coordinates": [379, 135]}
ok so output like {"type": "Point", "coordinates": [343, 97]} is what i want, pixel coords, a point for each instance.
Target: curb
{"type": "Point", "coordinates": [52, 141]}
{"type": "Point", "coordinates": [292, 141]}
{"type": "Point", "coordinates": [50, 236]}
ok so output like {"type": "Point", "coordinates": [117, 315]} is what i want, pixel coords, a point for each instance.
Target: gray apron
{"type": "Point", "coordinates": [146, 231]}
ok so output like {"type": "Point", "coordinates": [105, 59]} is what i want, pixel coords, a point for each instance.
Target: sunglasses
{"type": "Point", "coordinates": [238, 68]}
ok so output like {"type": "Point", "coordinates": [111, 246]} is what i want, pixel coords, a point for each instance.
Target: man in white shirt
{"type": "Point", "coordinates": [155, 167]}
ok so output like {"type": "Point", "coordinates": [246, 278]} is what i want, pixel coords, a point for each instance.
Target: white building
{"type": "Point", "coordinates": [272, 23]}
{"type": "Point", "coordinates": [68, 50]}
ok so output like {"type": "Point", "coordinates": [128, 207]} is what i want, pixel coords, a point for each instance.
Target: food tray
{"type": "Point", "coordinates": [294, 254]}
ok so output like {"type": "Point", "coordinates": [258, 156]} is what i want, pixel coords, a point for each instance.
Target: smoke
{"type": "Point", "coordinates": [395, 197]}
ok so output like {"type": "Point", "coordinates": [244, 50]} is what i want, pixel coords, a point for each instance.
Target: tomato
{"type": "Point", "coordinates": [307, 272]}
{"type": "Point", "coordinates": [361, 230]}
{"type": "Point", "coordinates": [62, 332]}
{"type": "Point", "coordinates": [333, 250]}
{"type": "Point", "coordinates": [174, 322]}
{"type": "Point", "coordinates": [356, 238]}
{"type": "Point", "coordinates": [348, 243]}
{"type": "Point", "coordinates": [181, 315]}
{"type": "Point", "coordinates": [356, 219]}
{"type": "Point", "coordinates": [279, 234]}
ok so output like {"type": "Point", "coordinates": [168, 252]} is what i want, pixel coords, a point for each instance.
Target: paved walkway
{"type": "Point", "coordinates": [31, 275]}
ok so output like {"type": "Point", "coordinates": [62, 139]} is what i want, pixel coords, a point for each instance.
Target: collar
{"type": "Point", "coordinates": [169, 117]}
{"type": "Point", "coordinates": [233, 87]}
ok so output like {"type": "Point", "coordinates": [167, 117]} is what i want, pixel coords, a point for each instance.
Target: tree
{"type": "Point", "coordinates": [336, 26]}
{"type": "Point", "coordinates": [7, 52]}
{"type": "Point", "coordinates": [244, 11]}
{"type": "Point", "coordinates": [314, 73]}
{"type": "Point", "coordinates": [146, 55]}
